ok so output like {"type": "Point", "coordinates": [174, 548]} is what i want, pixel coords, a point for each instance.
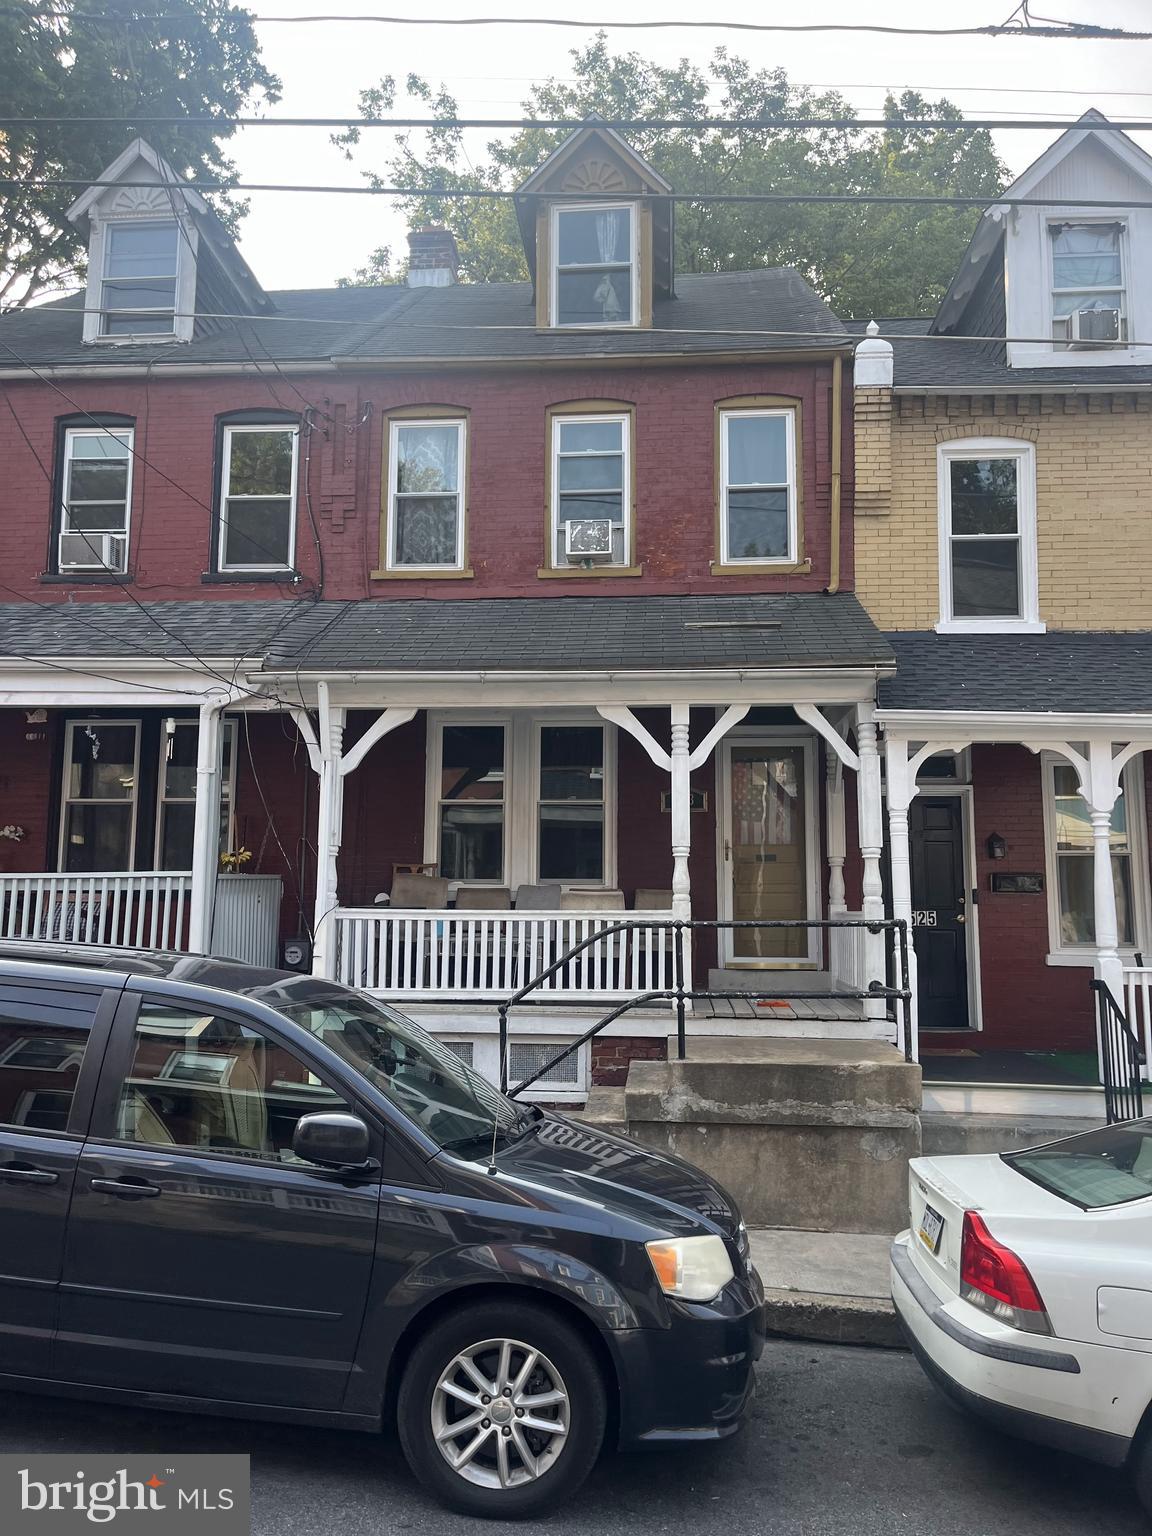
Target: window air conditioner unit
{"type": "Point", "coordinates": [93, 551]}
{"type": "Point", "coordinates": [1095, 325]}
{"type": "Point", "coordinates": [587, 538]}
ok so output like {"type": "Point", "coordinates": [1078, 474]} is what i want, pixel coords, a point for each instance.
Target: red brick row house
{"type": "Point", "coordinates": [415, 632]}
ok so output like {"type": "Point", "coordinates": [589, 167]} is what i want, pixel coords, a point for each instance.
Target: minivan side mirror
{"type": "Point", "coordinates": [334, 1140]}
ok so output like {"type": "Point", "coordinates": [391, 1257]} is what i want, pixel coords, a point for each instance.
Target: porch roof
{"type": "Point", "coordinates": [583, 634]}
{"type": "Point", "coordinates": [1064, 671]}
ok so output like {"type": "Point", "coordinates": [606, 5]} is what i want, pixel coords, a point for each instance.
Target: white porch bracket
{"type": "Point", "coordinates": [820, 723]}
{"type": "Point", "coordinates": [380, 727]}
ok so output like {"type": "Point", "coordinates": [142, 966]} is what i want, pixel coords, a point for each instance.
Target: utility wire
{"type": "Point", "coordinates": [1030, 28]}
{"type": "Point", "coordinates": [622, 124]}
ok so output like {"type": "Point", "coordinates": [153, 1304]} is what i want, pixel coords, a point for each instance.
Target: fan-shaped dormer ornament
{"type": "Point", "coordinates": [140, 200]}
{"type": "Point", "coordinates": [596, 175]}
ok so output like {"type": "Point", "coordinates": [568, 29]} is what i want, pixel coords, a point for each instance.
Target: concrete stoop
{"type": "Point", "coordinates": [811, 1134]}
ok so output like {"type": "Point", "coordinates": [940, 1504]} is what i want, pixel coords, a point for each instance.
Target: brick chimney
{"type": "Point", "coordinates": [433, 260]}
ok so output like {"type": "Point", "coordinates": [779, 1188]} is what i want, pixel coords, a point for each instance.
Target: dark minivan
{"type": "Point", "coordinates": [252, 1192]}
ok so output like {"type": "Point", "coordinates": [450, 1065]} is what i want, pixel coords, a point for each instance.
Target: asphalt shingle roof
{"type": "Point", "coordinates": [561, 633]}
{"type": "Point", "coordinates": [1063, 671]}
{"type": "Point", "coordinates": [587, 633]}
{"type": "Point", "coordinates": [711, 313]}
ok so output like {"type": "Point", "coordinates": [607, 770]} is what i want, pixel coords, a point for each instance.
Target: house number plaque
{"type": "Point", "coordinates": [924, 919]}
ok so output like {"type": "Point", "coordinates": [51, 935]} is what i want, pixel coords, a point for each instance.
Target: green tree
{"type": "Point", "coordinates": [863, 258]}
{"type": "Point", "coordinates": [111, 60]}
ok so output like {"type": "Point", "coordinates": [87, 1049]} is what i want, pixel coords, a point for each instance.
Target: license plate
{"type": "Point", "coordinates": [931, 1227]}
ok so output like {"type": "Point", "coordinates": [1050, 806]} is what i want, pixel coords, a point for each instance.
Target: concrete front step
{"type": "Point", "coordinates": [946, 1133]}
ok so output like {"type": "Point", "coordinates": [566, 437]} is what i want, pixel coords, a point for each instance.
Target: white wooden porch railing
{"type": "Point", "coordinates": [847, 955]}
{"type": "Point", "coordinates": [147, 910]}
{"type": "Point", "coordinates": [479, 954]}
{"type": "Point", "coordinates": [1138, 1008]}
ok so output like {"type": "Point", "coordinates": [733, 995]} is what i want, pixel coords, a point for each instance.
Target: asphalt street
{"type": "Point", "coordinates": [842, 1442]}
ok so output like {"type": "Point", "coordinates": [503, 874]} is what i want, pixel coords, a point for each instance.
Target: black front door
{"type": "Point", "coordinates": [203, 1258]}
{"type": "Point", "coordinates": [940, 910]}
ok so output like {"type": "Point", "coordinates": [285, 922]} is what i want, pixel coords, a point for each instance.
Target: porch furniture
{"type": "Point", "coordinates": [423, 892]}
{"type": "Point", "coordinates": [413, 869]}
{"type": "Point", "coordinates": [649, 899]}
{"type": "Point", "coordinates": [538, 898]}
{"type": "Point", "coordinates": [593, 901]}
{"type": "Point", "coordinates": [483, 898]}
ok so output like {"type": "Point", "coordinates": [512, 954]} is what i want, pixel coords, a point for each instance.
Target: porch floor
{"type": "Point", "coordinates": [1051, 1069]}
{"type": "Point", "coordinates": [836, 1010]}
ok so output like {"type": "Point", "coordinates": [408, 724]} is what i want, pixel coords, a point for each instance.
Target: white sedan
{"type": "Point", "coordinates": [1025, 1288]}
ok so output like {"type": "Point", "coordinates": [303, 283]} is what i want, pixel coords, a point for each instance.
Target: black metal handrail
{"type": "Point", "coordinates": [1121, 1057]}
{"type": "Point", "coordinates": [680, 996]}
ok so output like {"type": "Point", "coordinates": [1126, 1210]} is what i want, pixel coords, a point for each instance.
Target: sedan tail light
{"type": "Point", "coordinates": [997, 1281]}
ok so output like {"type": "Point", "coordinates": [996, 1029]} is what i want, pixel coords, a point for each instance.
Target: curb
{"type": "Point", "coordinates": [832, 1319]}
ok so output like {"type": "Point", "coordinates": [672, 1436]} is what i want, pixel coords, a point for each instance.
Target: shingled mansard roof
{"type": "Point", "coordinates": [475, 634]}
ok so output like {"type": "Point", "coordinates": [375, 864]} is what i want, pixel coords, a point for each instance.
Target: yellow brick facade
{"type": "Point", "coordinates": [1093, 502]}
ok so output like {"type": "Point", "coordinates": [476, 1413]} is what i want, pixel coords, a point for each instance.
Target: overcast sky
{"type": "Point", "coordinates": [304, 241]}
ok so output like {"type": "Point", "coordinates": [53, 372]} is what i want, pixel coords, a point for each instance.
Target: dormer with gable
{"type": "Point", "coordinates": [161, 266]}
{"type": "Point", "coordinates": [1064, 279]}
{"type": "Point", "coordinates": [596, 221]}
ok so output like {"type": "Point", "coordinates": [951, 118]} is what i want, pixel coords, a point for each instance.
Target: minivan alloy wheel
{"type": "Point", "coordinates": [500, 1413]}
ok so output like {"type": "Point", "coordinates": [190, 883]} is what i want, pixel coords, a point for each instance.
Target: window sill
{"type": "Point", "coordinates": [760, 567]}
{"type": "Point", "coordinates": [87, 578]}
{"type": "Point", "coordinates": [582, 573]}
{"type": "Point", "coordinates": [1084, 959]}
{"type": "Point", "coordinates": [248, 578]}
{"type": "Point", "coordinates": [990, 627]}
{"type": "Point", "coordinates": [423, 573]}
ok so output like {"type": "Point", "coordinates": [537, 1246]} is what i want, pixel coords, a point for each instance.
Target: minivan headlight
{"type": "Point", "coordinates": [693, 1268]}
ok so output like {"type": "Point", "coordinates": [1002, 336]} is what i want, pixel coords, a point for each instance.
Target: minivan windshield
{"type": "Point", "coordinates": [461, 1111]}
{"type": "Point", "coordinates": [1110, 1166]}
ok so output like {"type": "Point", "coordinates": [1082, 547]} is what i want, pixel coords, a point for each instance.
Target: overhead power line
{"type": "Point", "coordinates": [623, 124]}
{"type": "Point", "coordinates": [939, 199]}
{"type": "Point", "coordinates": [1026, 28]}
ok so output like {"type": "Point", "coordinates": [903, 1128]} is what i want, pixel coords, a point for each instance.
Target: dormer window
{"type": "Point", "coordinates": [594, 277]}
{"type": "Point", "coordinates": [138, 281]}
{"type": "Point", "coordinates": [1088, 307]}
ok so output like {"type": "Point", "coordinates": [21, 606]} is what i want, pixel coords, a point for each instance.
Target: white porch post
{"type": "Point", "coordinates": [870, 818]}
{"type": "Point", "coordinates": [901, 786]}
{"type": "Point", "coordinates": [205, 828]}
{"type": "Point", "coordinates": [680, 770]}
{"type": "Point", "coordinates": [329, 830]}
{"type": "Point", "coordinates": [835, 834]}
{"type": "Point", "coordinates": [1101, 791]}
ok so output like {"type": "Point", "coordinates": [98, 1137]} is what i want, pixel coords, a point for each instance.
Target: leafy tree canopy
{"type": "Point", "coordinates": [865, 259]}
{"type": "Point", "coordinates": [123, 62]}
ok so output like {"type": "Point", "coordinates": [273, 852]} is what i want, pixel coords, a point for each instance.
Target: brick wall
{"type": "Point", "coordinates": [341, 469]}
{"type": "Point", "coordinates": [610, 1057]}
{"type": "Point", "coordinates": [1093, 489]}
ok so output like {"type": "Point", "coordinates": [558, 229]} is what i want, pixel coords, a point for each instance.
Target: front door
{"type": "Point", "coordinates": [940, 911]}
{"type": "Point", "coordinates": [766, 870]}
{"type": "Point", "coordinates": [203, 1258]}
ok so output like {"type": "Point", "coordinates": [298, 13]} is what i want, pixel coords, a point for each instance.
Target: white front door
{"type": "Point", "coordinates": [768, 850]}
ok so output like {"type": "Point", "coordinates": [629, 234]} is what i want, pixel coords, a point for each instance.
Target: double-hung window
{"type": "Point", "coordinates": [1071, 861]}
{"type": "Point", "coordinates": [570, 804]}
{"type": "Point", "coordinates": [257, 529]}
{"type": "Point", "coordinates": [473, 796]}
{"type": "Point", "coordinates": [988, 580]}
{"type": "Point", "coordinates": [176, 791]}
{"type": "Point", "coordinates": [758, 494]}
{"type": "Point", "coordinates": [1088, 283]}
{"type": "Point", "coordinates": [139, 278]}
{"type": "Point", "coordinates": [426, 475]}
{"type": "Point", "coordinates": [591, 490]}
{"type": "Point", "coordinates": [595, 265]}
{"type": "Point", "coordinates": [101, 785]}
{"type": "Point", "coordinates": [96, 499]}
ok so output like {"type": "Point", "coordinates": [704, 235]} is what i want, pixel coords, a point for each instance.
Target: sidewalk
{"type": "Point", "coordinates": [828, 1286]}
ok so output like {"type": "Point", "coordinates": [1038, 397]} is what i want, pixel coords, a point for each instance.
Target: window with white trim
{"type": "Point", "coordinates": [176, 791]}
{"type": "Point", "coordinates": [1068, 829]}
{"type": "Point", "coordinates": [594, 266]}
{"type": "Point", "coordinates": [472, 802]}
{"type": "Point", "coordinates": [139, 278]}
{"type": "Point", "coordinates": [987, 491]}
{"type": "Point", "coordinates": [570, 804]}
{"type": "Point", "coordinates": [758, 486]}
{"type": "Point", "coordinates": [1088, 299]}
{"type": "Point", "coordinates": [426, 470]}
{"type": "Point", "coordinates": [101, 785]}
{"type": "Point", "coordinates": [95, 499]}
{"type": "Point", "coordinates": [258, 496]}
{"type": "Point", "coordinates": [591, 490]}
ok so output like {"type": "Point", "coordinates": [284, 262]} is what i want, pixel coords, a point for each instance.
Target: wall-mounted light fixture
{"type": "Point", "coordinates": [996, 846]}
